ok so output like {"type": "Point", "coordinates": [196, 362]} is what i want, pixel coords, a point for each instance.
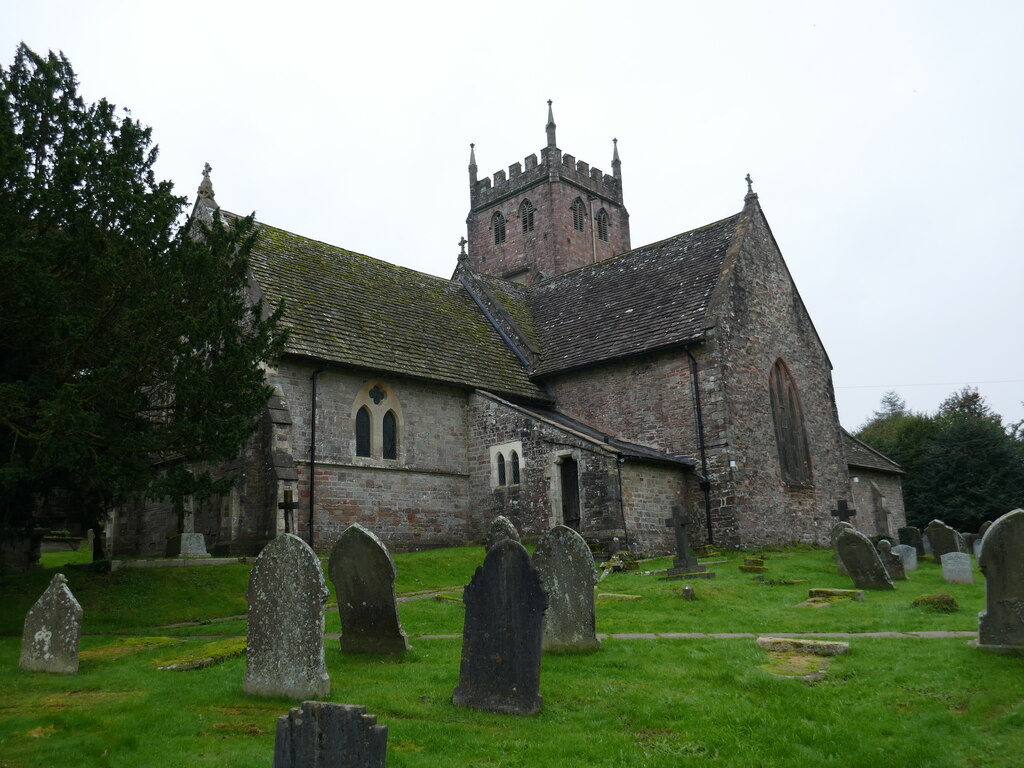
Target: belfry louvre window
{"type": "Point", "coordinates": [579, 214]}
{"type": "Point", "coordinates": [602, 225]}
{"type": "Point", "coordinates": [498, 225]}
{"type": "Point", "coordinates": [526, 211]}
{"type": "Point", "coordinates": [790, 434]}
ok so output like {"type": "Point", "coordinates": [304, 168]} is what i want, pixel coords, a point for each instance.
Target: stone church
{"type": "Point", "coordinates": [561, 376]}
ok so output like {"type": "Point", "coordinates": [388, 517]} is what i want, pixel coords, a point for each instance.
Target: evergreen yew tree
{"type": "Point", "coordinates": [127, 342]}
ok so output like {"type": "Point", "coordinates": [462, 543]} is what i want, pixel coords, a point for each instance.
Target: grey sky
{"type": "Point", "coordinates": [884, 140]}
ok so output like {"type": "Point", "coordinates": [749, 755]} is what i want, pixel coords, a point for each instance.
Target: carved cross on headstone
{"type": "Point", "coordinates": [844, 511]}
{"type": "Point", "coordinates": [288, 506]}
{"type": "Point", "coordinates": [685, 562]}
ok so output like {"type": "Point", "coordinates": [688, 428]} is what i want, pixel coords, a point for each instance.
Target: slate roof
{"type": "Point", "coordinates": [343, 307]}
{"type": "Point", "coordinates": [861, 455]}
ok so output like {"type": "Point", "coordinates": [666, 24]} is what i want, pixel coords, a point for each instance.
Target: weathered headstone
{"type": "Point", "coordinates": [926, 546]}
{"type": "Point", "coordinates": [858, 555]}
{"type": "Point", "coordinates": [911, 536]}
{"type": "Point", "coordinates": [318, 734]}
{"type": "Point", "coordinates": [501, 528]}
{"type": "Point", "coordinates": [684, 562]}
{"type": "Point", "coordinates": [956, 568]}
{"type": "Point", "coordinates": [568, 575]}
{"type": "Point", "coordinates": [1001, 624]}
{"type": "Point", "coordinates": [188, 543]}
{"type": "Point", "coordinates": [53, 629]}
{"type": "Point", "coordinates": [943, 539]}
{"type": "Point", "coordinates": [908, 555]}
{"type": "Point", "coordinates": [363, 575]}
{"type": "Point", "coordinates": [893, 562]}
{"type": "Point", "coordinates": [977, 548]}
{"type": "Point", "coordinates": [502, 634]}
{"type": "Point", "coordinates": [284, 654]}
{"type": "Point", "coordinates": [834, 538]}
{"type": "Point", "coordinates": [984, 529]}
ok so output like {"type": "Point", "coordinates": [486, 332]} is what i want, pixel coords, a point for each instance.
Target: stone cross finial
{"type": "Point", "coordinates": [462, 246]}
{"type": "Point", "coordinates": [206, 186]}
{"type": "Point", "coordinates": [750, 185]}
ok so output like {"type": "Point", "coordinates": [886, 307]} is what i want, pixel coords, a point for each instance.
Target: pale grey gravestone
{"type": "Point", "coordinates": [944, 539]}
{"type": "Point", "coordinates": [363, 575]}
{"type": "Point", "coordinates": [502, 634]}
{"type": "Point", "coordinates": [284, 654]}
{"type": "Point", "coordinates": [53, 629]}
{"type": "Point", "coordinates": [318, 734]}
{"type": "Point", "coordinates": [1001, 624]}
{"type": "Point", "coordinates": [862, 563]}
{"type": "Point", "coordinates": [956, 568]}
{"type": "Point", "coordinates": [501, 528]}
{"type": "Point", "coordinates": [834, 538]}
{"type": "Point", "coordinates": [908, 554]}
{"type": "Point", "coordinates": [893, 562]}
{"type": "Point", "coordinates": [188, 543]}
{"type": "Point", "coordinates": [568, 575]}
{"type": "Point", "coordinates": [977, 549]}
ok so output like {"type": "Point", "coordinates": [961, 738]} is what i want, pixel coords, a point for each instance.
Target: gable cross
{"type": "Point", "coordinates": [844, 511]}
{"type": "Point", "coordinates": [288, 506]}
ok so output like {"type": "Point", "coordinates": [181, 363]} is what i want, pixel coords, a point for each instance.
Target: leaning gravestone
{"type": "Point", "coordinates": [956, 568]}
{"type": "Point", "coordinates": [53, 629]}
{"type": "Point", "coordinates": [861, 561]}
{"type": "Point", "coordinates": [363, 575]}
{"type": "Point", "coordinates": [501, 528]}
{"type": "Point", "coordinates": [502, 634]}
{"type": "Point", "coordinates": [893, 562]}
{"type": "Point", "coordinates": [1001, 624]}
{"type": "Point", "coordinates": [322, 735]}
{"type": "Point", "coordinates": [284, 653]}
{"type": "Point", "coordinates": [908, 555]}
{"type": "Point", "coordinates": [838, 528]}
{"type": "Point", "coordinates": [911, 536]}
{"type": "Point", "coordinates": [943, 539]}
{"type": "Point", "coordinates": [568, 575]}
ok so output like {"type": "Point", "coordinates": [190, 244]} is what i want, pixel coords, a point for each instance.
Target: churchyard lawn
{"type": "Point", "coordinates": [636, 702]}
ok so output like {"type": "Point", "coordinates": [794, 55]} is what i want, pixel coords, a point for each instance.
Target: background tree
{"type": "Point", "coordinates": [126, 337]}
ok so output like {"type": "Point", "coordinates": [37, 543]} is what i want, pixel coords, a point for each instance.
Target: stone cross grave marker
{"type": "Point", "coordinates": [363, 575]}
{"type": "Point", "coordinates": [862, 563]}
{"type": "Point", "coordinates": [288, 507]}
{"type": "Point", "coordinates": [318, 734]}
{"type": "Point", "coordinates": [891, 560]}
{"type": "Point", "coordinates": [943, 539]}
{"type": "Point", "coordinates": [908, 554]}
{"type": "Point", "coordinates": [188, 543]}
{"type": "Point", "coordinates": [1001, 624]}
{"type": "Point", "coordinates": [844, 511]}
{"type": "Point", "coordinates": [53, 629]}
{"type": "Point", "coordinates": [956, 568]}
{"type": "Point", "coordinates": [685, 562]}
{"type": "Point", "coordinates": [501, 528]}
{"type": "Point", "coordinates": [568, 575]}
{"type": "Point", "coordinates": [284, 654]}
{"type": "Point", "coordinates": [502, 634]}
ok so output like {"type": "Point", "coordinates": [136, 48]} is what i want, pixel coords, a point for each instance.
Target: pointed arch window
{"type": "Point", "coordinates": [790, 432]}
{"type": "Point", "coordinates": [501, 469]}
{"type": "Point", "coordinates": [602, 225]}
{"type": "Point", "coordinates": [377, 421]}
{"type": "Point", "coordinates": [513, 460]}
{"type": "Point", "coordinates": [579, 214]}
{"type": "Point", "coordinates": [498, 225]}
{"type": "Point", "coordinates": [363, 432]}
{"type": "Point", "coordinates": [526, 211]}
{"type": "Point", "coordinates": [389, 433]}
{"type": "Point", "coordinates": [506, 465]}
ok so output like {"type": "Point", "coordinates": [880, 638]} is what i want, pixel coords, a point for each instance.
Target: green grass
{"type": "Point", "coordinates": [912, 702]}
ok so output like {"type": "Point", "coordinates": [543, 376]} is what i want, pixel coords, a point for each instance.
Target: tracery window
{"type": "Point", "coordinates": [526, 211]}
{"type": "Point", "coordinates": [498, 225]}
{"type": "Point", "coordinates": [377, 422]}
{"type": "Point", "coordinates": [790, 433]}
{"type": "Point", "coordinates": [579, 214]}
{"type": "Point", "coordinates": [506, 464]}
{"type": "Point", "coordinates": [602, 225]}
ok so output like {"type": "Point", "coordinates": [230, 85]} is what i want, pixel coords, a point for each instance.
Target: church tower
{"type": "Point", "coordinates": [546, 217]}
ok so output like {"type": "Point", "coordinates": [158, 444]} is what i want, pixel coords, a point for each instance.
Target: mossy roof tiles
{"type": "Point", "coordinates": [861, 455]}
{"type": "Point", "coordinates": [343, 307]}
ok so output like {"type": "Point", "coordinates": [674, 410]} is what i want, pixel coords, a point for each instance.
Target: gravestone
{"type": "Point", "coordinates": [684, 562]}
{"type": "Point", "coordinates": [502, 634]}
{"type": "Point", "coordinates": [977, 549]}
{"type": "Point", "coordinates": [893, 562]}
{"type": "Point", "coordinates": [188, 543]}
{"type": "Point", "coordinates": [501, 528]}
{"type": "Point", "coordinates": [862, 563]}
{"type": "Point", "coordinates": [568, 575]}
{"type": "Point", "coordinates": [943, 539]}
{"type": "Point", "coordinates": [926, 546]}
{"type": "Point", "coordinates": [284, 653]}
{"type": "Point", "coordinates": [834, 538]}
{"type": "Point", "coordinates": [1001, 624]}
{"type": "Point", "coordinates": [53, 629]}
{"type": "Point", "coordinates": [911, 536]}
{"type": "Point", "coordinates": [363, 575]}
{"type": "Point", "coordinates": [908, 555]}
{"type": "Point", "coordinates": [956, 568]}
{"type": "Point", "coordinates": [984, 529]}
{"type": "Point", "coordinates": [318, 734]}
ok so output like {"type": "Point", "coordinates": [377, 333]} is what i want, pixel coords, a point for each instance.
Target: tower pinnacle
{"type": "Point", "coordinates": [551, 126]}
{"type": "Point", "coordinates": [472, 163]}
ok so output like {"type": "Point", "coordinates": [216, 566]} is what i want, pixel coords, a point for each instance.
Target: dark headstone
{"type": "Point", "coordinates": [568, 575]}
{"type": "Point", "coordinates": [685, 561]}
{"type": "Point", "coordinates": [1001, 624]}
{"type": "Point", "coordinates": [858, 555]}
{"type": "Point", "coordinates": [502, 634]}
{"type": "Point", "coordinates": [984, 528]}
{"type": "Point", "coordinates": [284, 654]}
{"type": "Point", "coordinates": [53, 629]}
{"type": "Point", "coordinates": [363, 575]}
{"type": "Point", "coordinates": [501, 528]}
{"type": "Point", "coordinates": [891, 560]}
{"type": "Point", "coordinates": [944, 539]}
{"type": "Point", "coordinates": [911, 536]}
{"type": "Point", "coordinates": [322, 735]}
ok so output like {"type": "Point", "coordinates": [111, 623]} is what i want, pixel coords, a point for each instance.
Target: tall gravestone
{"type": "Point", "coordinates": [363, 575]}
{"type": "Point", "coordinates": [501, 528]}
{"type": "Point", "coordinates": [892, 561]}
{"type": "Point", "coordinates": [284, 654]}
{"type": "Point", "coordinates": [685, 562]}
{"type": "Point", "coordinates": [502, 634]}
{"type": "Point", "coordinates": [1001, 624]}
{"type": "Point", "coordinates": [908, 555]}
{"type": "Point", "coordinates": [568, 575]}
{"type": "Point", "coordinates": [944, 539]}
{"type": "Point", "coordinates": [861, 561]}
{"type": "Point", "coordinates": [956, 568]}
{"type": "Point", "coordinates": [911, 536]}
{"type": "Point", "coordinates": [53, 629]}
{"type": "Point", "coordinates": [838, 528]}
{"type": "Point", "coordinates": [318, 734]}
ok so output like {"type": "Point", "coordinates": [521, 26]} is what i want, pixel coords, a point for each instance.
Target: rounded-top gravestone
{"type": "Point", "coordinates": [568, 575]}
{"type": "Point", "coordinates": [501, 528]}
{"type": "Point", "coordinates": [1001, 624]}
{"type": "Point", "coordinates": [862, 563]}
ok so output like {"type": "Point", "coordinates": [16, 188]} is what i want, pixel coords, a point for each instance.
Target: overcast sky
{"type": "Point", "coordinates": [884, 140]}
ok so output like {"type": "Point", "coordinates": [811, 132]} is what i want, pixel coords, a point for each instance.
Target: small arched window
{"type": "Point", "coordinates": [498, 225]}
{"type": "Point", "coordinates": [514, 461]}
{"type": "Point", "coordinates": [501, 469]}
{"type": "Point", "coordinates": [526, 210]}
{"type": "Point", "coordinates": [579, 214]}
{"type": "Point", "coordinates": [602, 225]}
{"type": "Point", "coordinates": [389, 431]}
{"type": "Point", "coordinates": [363, 432]}
{"type": "Point", "coordinates": [790, 434]}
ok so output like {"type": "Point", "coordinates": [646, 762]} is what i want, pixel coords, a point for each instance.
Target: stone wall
{"type": "Point", "coordinates": [649, 491]}
{"type": "Point", "coordinates": [878, 499]}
